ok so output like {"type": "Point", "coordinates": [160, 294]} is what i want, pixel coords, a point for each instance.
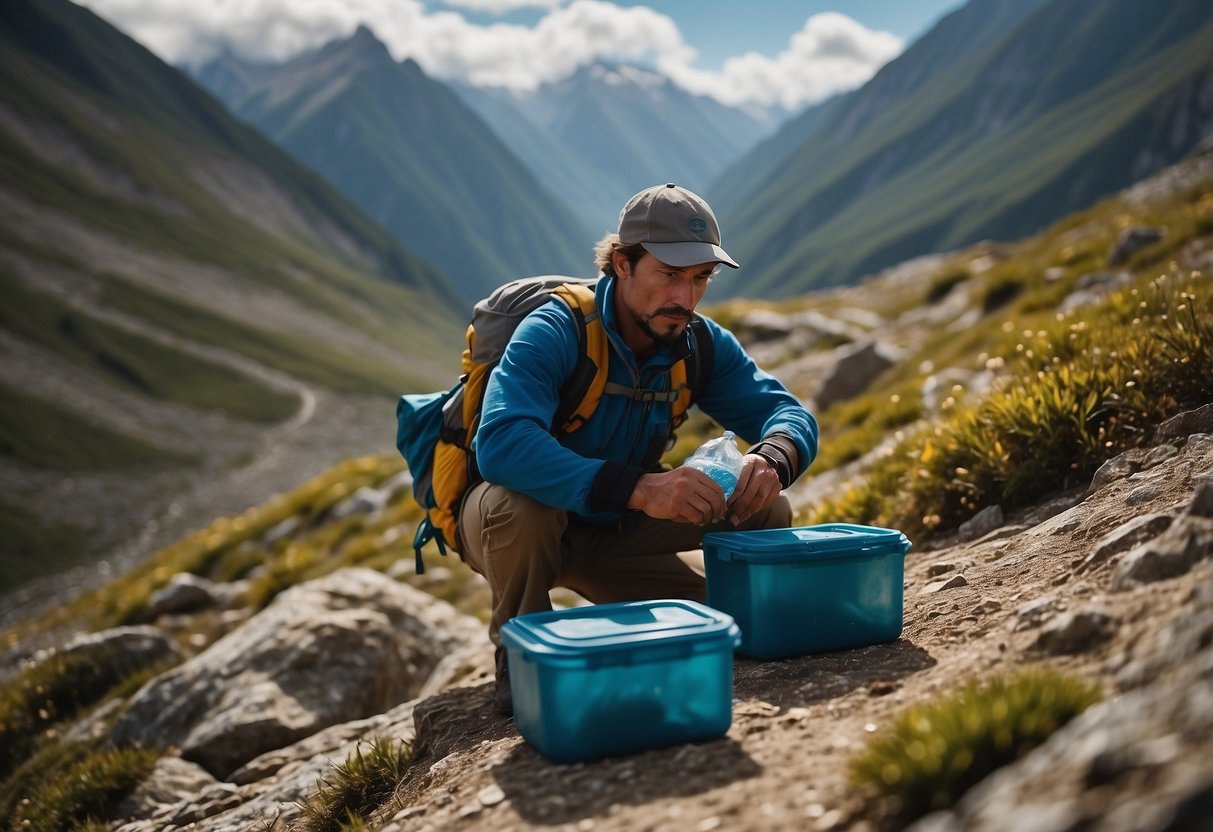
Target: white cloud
{"type": "Point", "coordinates": [503, 6]}
{"type": "Point", "coordinates": [831, 53]}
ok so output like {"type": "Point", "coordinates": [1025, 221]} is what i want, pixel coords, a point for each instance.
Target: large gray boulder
{"type": "Point", "coordinates": [340, 648]}
{"type": "Point", "coordinates": [856, 367]}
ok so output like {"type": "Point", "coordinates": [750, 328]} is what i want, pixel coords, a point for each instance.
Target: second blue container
{"type": "Point", "coordinates": [613, 678]}
{"type": "Point", "coordinates": [808, 589]}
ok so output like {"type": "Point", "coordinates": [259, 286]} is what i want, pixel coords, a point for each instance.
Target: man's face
{"type": "Point", "coordinates": [657, 298]}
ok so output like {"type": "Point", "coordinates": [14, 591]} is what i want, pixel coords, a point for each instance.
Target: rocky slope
{"type": "Point", "coordinates": [1112, 583]}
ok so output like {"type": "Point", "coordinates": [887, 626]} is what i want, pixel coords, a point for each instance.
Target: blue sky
{"type": "Point", "coordinates": [764, 54]}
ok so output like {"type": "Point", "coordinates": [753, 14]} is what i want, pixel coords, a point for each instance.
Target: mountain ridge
{"type": "Point", "coordinates": [873, 178]}
{"type": "Point", "coordinates": [412, 155]}
{"type": "Point", "coordinates": [187, 309]}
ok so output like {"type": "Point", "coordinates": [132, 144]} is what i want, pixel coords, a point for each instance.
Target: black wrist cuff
{"type": "Point", "coordinates": [773, 450]}
{"type": "Point", "coordinates": [613, 486]}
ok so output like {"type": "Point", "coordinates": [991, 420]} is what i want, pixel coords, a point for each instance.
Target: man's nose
{"type": "Point", "coordinates": [684, 295]}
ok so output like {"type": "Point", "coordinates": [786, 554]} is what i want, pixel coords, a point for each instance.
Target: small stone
{"type": "Point", "coordinates": [1115, 469]}
{"type": "Point", "coordinates": [1132, 240]}
{"type": "Point", "coordinates": [987, 605]}
{"type": "Point", "coordinates": [490, 795]}
{"type": "Point", "coordinates": [1075, 633]}
{"type": "Point", "coordinates": [937, 569]}
{"type": "Point", "coordinates": [1144, 494]}
{"type": "Point", "coordinates": [1033, 613]}
{"type": "Point", "coordinates": [708, 824]}
{"type": "Point", "coordinates": [1187, 423]}
{"type": "Point", "coordinates": [949, 583]}
{"type": "Point", "coordinates": [981, 523]}
{"type": "Point", "coordinates": [1136, 531]}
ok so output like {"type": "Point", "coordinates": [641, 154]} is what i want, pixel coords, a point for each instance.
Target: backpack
{"type": "Point", "coordinates": [434, 431]}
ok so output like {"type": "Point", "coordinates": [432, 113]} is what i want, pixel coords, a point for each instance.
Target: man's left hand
{"type": "Point", "coordinates": [757, 487]}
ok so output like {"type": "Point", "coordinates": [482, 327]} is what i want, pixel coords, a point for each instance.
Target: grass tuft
{"type": "Point", "coordinates": [936, 751]}
{"type": "Point", "coordinates": [357, 787]}
{"type": "Point", "coordinates": [53, 691]}
{"type": "Point", "coordinates": [73, 786]}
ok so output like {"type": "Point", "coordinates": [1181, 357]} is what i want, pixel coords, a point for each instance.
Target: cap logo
{"type": "Point", "coordinates": [697, 225]}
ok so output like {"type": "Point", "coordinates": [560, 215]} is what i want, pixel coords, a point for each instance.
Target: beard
{"type": "Point", "coordinates": [669, 331]}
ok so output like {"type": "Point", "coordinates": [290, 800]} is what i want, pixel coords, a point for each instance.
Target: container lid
{"type": "Point", "coordinates": [605, 628]}
{"type": "Point", "coordinates": [805, 543]}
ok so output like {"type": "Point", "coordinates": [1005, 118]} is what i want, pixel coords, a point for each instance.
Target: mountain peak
{"type": "Point", "coordinates": [365, 42]}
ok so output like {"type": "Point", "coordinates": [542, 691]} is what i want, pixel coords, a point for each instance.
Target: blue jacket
{"type": "Point", "coordinates": [592, 471]}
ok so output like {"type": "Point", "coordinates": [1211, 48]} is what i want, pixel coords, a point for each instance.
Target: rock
{"type": "Point", "coordinates": [822, 326]}
{"type": "Point", "coordinates": [855, 368]}
{"type": "Point", "coordinates": [1173, 553]}
{"type": "Point", "coordinates": [949, 583]}
{"type": "Point", "coordinates": [1136, 761]}
{"type": "Point", "coordinates": [1202, 501]}
{"type": "Point", "coordinates": [1118, 468]}
{"type": "Point", "coordinates": [365, 500]}
{"type": "Point", "coordinates": [986, 606]}
{"type": "Point", "coordinates": [937, 569]}
{"type": "Point", "coordinates": [336, 649]}
{"type": "Point", "coordinates": [184, 592]}
{"type": "Point", "coordinates": [1093, 288]}
{"type": "Point", "coordinates": [760, 325]}
{"type": "Point", "coordinates": [1181, 644]}
{"type": "Point", "coordinates": [133, 648]}
{"type": "Point", "coordinates": [1136, 531]}
{"type": "Point", "coordinates": [284, 529]}
{"type": "Point", "coordinates": [981, 523]}
{"type": "Point", "coordinates": [1075, 632]}
{"type": "Point", "coordinates": [1032, 613]}
{"type": "Point", "coordinates": [1132, 240]}
{"type": "Point", "coordinates": [171, 781]}
{"type": "Point", "coordinates": [1187, 423]}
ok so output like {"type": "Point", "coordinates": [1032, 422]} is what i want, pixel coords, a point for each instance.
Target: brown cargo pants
{"type": "Point", "coordinates": [525, 548]}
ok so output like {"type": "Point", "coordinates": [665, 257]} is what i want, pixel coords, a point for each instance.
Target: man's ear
{"type": "Point", "coordinates": [620, 261]}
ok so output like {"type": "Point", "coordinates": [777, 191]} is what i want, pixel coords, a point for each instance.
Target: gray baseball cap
{"type": "Point", "coordinates": [674, 225]}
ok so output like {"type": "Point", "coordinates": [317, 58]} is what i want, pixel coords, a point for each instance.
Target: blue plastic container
{"type": "Point", "coordinates": [809, 589]}
{"type": "Point", "coordinates": [609, 679]}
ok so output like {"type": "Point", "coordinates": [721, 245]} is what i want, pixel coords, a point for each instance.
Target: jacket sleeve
{"type": "Point", "coordinates": [514, 444]}
{"type": "Point", "coordinates": [755, 405]}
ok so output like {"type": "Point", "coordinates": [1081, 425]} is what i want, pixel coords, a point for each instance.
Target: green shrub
{"type": "Point", "coordinates": [935, 751]}
{"type": "Point", "coordinates": [72, 786]}
{"type": "Point", "coordinates": [1080, 393]}
{"type": "Point", "coordinates": [55, 690]}
{"type": "Point", "coordinates": [357, 787]}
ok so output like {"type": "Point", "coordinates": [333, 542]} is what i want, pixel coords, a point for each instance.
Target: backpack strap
{"type": "Point", "coordinates": [582, 390]}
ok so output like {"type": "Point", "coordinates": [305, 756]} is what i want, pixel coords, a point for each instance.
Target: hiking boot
{"type": "Point", "coordinates": [503, 698]}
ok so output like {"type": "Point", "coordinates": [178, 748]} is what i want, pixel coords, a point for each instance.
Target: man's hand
{"type": "Point", "coordinates": [757, 487]}
{"type": "Point", "coordinates": [684, 494]}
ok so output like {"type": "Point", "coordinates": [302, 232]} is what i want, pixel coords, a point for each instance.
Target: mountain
{"type": "Point", "coordinates": [952, 39]}
{"type": "Point", "coordinates": [413, 156]}
{"type": "Point", "coordinates": [609, 131]}
{"type": "Point", "coordinates": [192, 320]}
{"type": "Point", "coordinates": [1066, 103]}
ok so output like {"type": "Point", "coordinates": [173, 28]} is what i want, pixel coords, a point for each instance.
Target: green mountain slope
{"type": "Point", "coordinates": [1077, 100]}
{"type": "Point", "coordinates": [413, 156]}
{"type": "Point", "coordinates": [960, 34]}
{"type": "Point", "coordinates": [179, 296]}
